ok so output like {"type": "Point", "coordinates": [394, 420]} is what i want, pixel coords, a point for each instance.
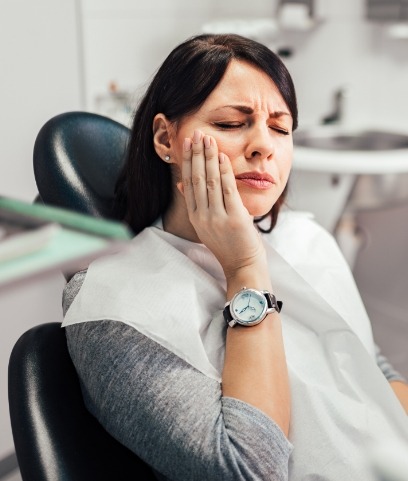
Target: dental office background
{"type": "Point", "coordinates": [349, 61]}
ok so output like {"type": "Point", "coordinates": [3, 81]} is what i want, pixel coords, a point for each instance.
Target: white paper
{"type": "Point", "coordinates": [173, 291]}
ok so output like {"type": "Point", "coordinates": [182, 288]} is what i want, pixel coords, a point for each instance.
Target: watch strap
{"type": "Point", "coordinates": [227, 313]}
{"type": "Point", "coordinates": [272, 302]}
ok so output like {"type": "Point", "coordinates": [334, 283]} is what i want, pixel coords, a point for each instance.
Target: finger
{"type": "Point", "coordinates": [232, 200]}
{"type": "Point", "coordinates": [180, 187]}
{"type": "Point", "coordinates": [198, 172]}
{"type": "Point", "coordinates": [212, 167]}
{"type": "Point", "coordinates": [186, 171]}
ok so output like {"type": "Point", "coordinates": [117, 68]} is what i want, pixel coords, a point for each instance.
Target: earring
{"type": "Point", "coordinates": [167, 158]}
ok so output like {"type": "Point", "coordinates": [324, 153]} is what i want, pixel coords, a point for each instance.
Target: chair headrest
{"type": "Point", "coordinates": [77, 159]}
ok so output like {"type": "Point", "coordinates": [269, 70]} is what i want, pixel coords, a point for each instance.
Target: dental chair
{"type": "Point", "coordinates": [77, 159]}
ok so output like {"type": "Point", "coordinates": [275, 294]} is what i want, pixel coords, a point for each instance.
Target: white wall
{"type": "Point", "coordinates": [39, 78]}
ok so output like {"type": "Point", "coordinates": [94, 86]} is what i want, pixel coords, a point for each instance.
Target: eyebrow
{"type": "Point", "coordinates": [248, 110]}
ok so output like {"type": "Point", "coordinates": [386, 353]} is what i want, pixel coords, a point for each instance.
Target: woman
{"type": "Point", "coordinates": [202, 391]}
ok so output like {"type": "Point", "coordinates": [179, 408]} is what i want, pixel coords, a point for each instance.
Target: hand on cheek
{"type": "Point", "coordinates": [214, 206]}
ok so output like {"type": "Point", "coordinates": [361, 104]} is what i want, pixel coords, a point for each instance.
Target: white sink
{"type": "Point", "coordinates": [340, 150]}
{"type": "Point", "coordinates": [351, 140]}
{"type": "Point", "coordinates": [337, 168]}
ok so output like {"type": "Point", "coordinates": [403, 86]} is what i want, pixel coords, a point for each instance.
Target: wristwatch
{"type": "Point", "coordinates": [250, 307]}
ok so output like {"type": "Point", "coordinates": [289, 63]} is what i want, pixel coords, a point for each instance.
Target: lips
{"type": "Point", "coordinates": [257, 180]}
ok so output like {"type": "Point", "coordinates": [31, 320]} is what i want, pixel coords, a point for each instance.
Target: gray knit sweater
{"type": "Point", "coordinates": [168, 413]}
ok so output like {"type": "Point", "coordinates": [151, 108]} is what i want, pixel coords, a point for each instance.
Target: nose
{"type": "Point", "coordinates": [260, 143]}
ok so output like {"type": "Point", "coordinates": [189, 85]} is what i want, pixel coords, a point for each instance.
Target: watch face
{"type": "Point", "coordinates": [248, 306]}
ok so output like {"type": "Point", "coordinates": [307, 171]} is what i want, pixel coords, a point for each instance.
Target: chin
{"type": "Point", "coordinates": [256, 208]}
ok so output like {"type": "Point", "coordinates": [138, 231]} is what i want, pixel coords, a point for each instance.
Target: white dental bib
{"type": "Point", "coordinates": [173, 291]}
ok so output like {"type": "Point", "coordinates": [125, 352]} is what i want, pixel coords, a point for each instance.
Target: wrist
{"type": "Point", "coordinates": [254, 277]}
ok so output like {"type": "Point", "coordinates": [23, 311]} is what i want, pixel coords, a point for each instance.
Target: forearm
{"type": "Point", "coordinates": [401, 391]}
{"type": "Point", "coordinates": [255, 368]}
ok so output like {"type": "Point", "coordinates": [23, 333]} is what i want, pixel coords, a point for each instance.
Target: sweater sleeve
{"type": "Point", "coordinates": [386, 367]}
{"type": "Point", "coordinates": [168, 413]}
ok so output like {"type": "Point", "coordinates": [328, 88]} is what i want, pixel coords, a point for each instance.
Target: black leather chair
{"type": "Point", "coordinates": [77, 158]}
{"type": "Point", "coordinates": [55, 437]}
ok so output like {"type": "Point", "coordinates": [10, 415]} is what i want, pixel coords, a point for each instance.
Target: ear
{"type": "Point", "coordinates": [162, 137]}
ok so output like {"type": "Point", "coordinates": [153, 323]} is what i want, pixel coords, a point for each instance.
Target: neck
{"type": "Point", "coordinates": [176, 221]}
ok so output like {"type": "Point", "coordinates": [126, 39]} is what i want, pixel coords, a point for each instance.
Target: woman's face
{"type": "Point", "coordinates": [251, 124]}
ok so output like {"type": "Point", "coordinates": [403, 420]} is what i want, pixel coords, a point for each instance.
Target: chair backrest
{"type": "Point", "coordinates": [55, 437]}
{"type": "Point", "coordinates": [77, 159]}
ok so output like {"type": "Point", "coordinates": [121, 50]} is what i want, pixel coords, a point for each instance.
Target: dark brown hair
{"type": "Point", "coordinates": [181, 85]}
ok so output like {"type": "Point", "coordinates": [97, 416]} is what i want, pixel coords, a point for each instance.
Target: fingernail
{"type": "Point", "coordinates": [207, 141]}
{"type": "Point", "coordinates": [221, 157]}
{"type": "Point", "coordinates": [180, 187]}
{"type": "Point", "coordinates": [187, 145]}
{"type": "Point", "coordinates": [196, 136]}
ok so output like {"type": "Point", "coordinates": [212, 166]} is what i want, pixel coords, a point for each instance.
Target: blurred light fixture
{"type": "Point", "coordinates": [297, 15]}
{"type": "Point", "coordinates": [398, 30]}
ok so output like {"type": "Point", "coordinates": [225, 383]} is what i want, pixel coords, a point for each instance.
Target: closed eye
{"type": "Point", "coordinates": [225, 126]}
{"type": "Point", "coordinates": [280, 131]}
{"type": "Point", "coordinates": [232, 126]}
